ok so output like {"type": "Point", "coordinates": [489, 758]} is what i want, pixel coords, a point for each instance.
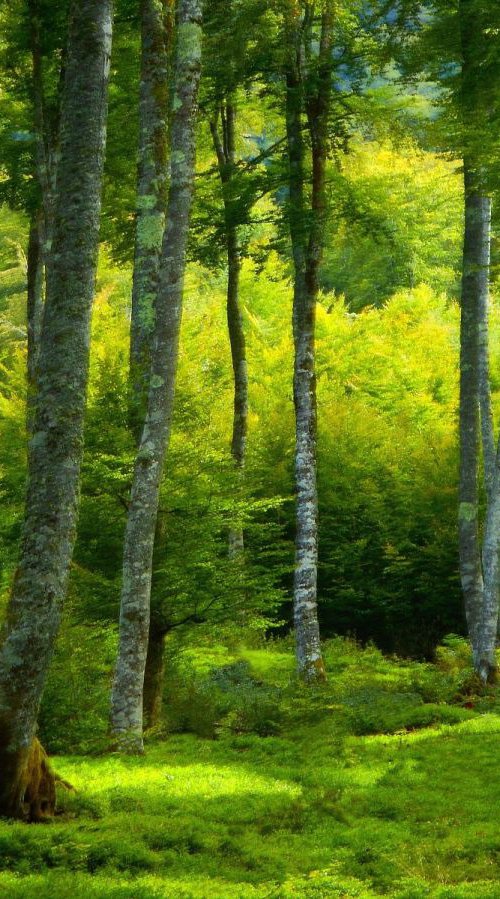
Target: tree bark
{"type": "Point", "coordinates": [306, 229]}
{"type": "Point", "coordinates": [57, 443]}
{"type": "Point", "coordinates": [127, 694]}
{"type": "Point", "coordinates": [225, 149]}
{"type": "Point", "coordinates": [152, 190]}
{"type": "Point", "coordinates": [154, 675]}
{"type": "Point", "coordinates": [469, 541]}
{"type": "Point", "coordinates": [34, 311]}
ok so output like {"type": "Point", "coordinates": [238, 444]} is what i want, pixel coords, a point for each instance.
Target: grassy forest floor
{"type": "Point", "coordinates": [383, 783]}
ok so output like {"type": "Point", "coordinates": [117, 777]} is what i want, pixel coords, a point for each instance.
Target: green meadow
{"type": "Point", "coordinates": [383, 783]}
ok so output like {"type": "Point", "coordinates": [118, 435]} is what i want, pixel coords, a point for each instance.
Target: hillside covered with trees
{"type": "Point", "coordinates": [249, 457]}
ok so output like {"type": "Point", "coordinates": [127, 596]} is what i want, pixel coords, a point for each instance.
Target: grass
{"type": "Point", "coordinates": [326, 807]}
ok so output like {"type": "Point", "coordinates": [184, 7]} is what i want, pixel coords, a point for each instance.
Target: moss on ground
{"type": "Point", "coordinates": [324, 808]}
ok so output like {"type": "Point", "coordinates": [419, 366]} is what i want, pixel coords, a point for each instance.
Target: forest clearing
{"type": "Point", "coordinates": [384, 784]}
{"type": "Point", "coordinates": [249, 448]}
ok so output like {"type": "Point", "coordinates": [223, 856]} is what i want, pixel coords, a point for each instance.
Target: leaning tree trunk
{"type": "Point", "coordinates": [57, 443]}
{"type": "Point", "coordinates": [127, 694]}
{"type": "Point", "coordinates": [151, 198]}
{"type": "Point", "coordinates": [226, 157]}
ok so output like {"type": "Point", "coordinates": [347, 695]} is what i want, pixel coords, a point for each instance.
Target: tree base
{"type": "Point", "coordinates": [129, 744]}
{"type": "Point", "coordinates": [314, 672]}
{"type": "Point", "coordinates": [29, 789]}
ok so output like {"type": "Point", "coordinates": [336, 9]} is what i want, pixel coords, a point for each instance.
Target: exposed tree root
{"type": "Point", "coordinates": [32, 790]}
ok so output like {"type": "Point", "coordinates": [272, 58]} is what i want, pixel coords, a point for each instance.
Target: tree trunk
{"type": "Point", "coordinates": [127, 694]}
{"type": "Point", "coordinates": [226, 158]}
{"type": "Point", "coordinates": [34, 311]}
{"type": "Point", "coordinates": [312, 96]}
{"type": "Point", "coordinates": [469, 541]}
{"type": "Point", "coordinates": [154, 675]}
{"type": "Point", "coordinates": [151, 198]}
{"type": "Point", "coordinates": [57, 443]}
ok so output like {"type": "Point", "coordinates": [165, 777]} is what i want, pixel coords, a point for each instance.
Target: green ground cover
{"type": "Point", "coordinates": [382, 784]}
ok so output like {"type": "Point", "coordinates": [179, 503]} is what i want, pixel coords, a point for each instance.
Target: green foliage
{"type": "Point", "coordinates": [313, 811]}
{"type": "Point", "coordinates": [75, 706]}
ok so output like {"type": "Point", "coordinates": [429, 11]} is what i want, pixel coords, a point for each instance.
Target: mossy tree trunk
{"type": "Point", "coordinates": [308, 94]}
{"type": "Point", "coordinates": [46, 126]}
{"type": "Point", "coordinates": [127, 693]}
{"type": "Point", "coordinates": [152, 190]}
{"type": "Point", "coordinates": [225, 148]}
{"type": "Point", "coordinates": [34, 310]}
{"type": "Point", "coordinates": [57, 444]}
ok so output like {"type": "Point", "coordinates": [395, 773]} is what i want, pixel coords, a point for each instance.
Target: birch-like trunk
{"type": "Point", "coordinates": [469, 539]}
{"type": "Point", "coordinates": [57, 444]}
{"type": "Point", "coordinates": [311, 96]}
{"type": "Point", "coordinates": [152, 189]}
{"type": "Point", "coordinates": [225, 149]}
{"type": "Point", "coordinates": [127, 694]}
{"type": "Point", "coordinates": [479, 566]}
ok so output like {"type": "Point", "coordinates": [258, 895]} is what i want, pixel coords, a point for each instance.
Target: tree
{"type": "Point", "coordinates": [458, 49]}
{"type": "Point", "coordinates": [56, 446]}
{"type": "Point", "coordinates": [156, 31]}
{"type": "Point", "coordinates": [308, 89]}
{"type": "Point", "coordinates": [127, 694]}
{"type": "Point", "coordinates": [479, 567]}
{"type": "Point", "coordinates": [225, 149]}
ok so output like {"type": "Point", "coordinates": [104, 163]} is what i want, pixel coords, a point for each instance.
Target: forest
{"type": "Point", "coordinates": [250, 449]}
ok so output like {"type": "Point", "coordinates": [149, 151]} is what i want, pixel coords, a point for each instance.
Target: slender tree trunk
{"type": "Point", "coordinates": [307, 245]}
{"type": "Point", "coordinates": [56, 446]}
{"type": "Point", "coordinates": [127, 694]}
{"type": "Point", "coordinates": [469, 541]}
{"type": "Point", "coordinates": [226, 157]}
{"type": "Point", "coordinates": [152, 192]}
{"type": "Point", "coordinates": [34, 316]}
{"type": "Point", "coordinates": [484, 651]}
{"type": "Point", "coordinates": [154, 675]}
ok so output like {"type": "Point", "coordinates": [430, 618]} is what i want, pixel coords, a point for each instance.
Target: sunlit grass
{"type": "Point", "coordinates": [314, 811]}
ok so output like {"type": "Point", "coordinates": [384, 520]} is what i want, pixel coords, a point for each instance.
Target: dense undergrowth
{"type": "Point", "coordinates": [382, 783]}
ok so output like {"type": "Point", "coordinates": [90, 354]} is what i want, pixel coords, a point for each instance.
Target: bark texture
{"type": "Point", "coordinates": [152, 190]}
{"type": "Point", "coordinates": [127, 694]}
{"type": "Point", "coordinates": [478, 564]}
{"type": "Point", "coordinates": [34, 311]}
{"type": "Point", "coordinates": [57, 443]}
{"type": "Point", "coordinates": [225, 148]}
{"type": "Point", "coordinates": [309, 94]}
{"type": "Point", "coordinates": [154, 675]}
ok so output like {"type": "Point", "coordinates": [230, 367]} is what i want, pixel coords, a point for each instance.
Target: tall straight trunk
{"type": "Point", "coordinates": [45, 136]}
{"type": "Point", "coordinates": [485, 404]}
{"type": "Point", "coordinates": [127, 694]}
{"type": "Point", "coordinates": [472, 284]}
{"type": "Point", "coordinates": [307, 245]}
{"type": "Point", "coordinates": [225, 149]}
{"type": "Point", "coordinates": [34, 311]}
{"type": "Point", "coordinates": [57, 443]}
{"type": "Point", "coordinates": [152, 193]}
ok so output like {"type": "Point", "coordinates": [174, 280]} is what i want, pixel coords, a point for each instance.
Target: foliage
{"type": "Point", "coordinates": [312, 811]}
